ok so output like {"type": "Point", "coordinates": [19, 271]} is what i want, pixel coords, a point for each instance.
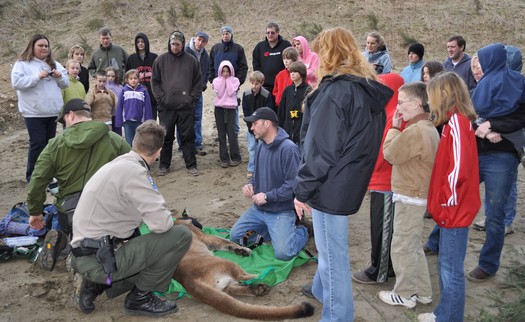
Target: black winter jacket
{"type": "Point", "coordinates": [290, 109]}
{"type": "Point", "coordinates": [343, 121]}
{"type": "Point", "coordinates": [143, 66]}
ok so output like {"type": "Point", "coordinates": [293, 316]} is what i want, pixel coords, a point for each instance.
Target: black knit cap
{"type": "Point", "coordinates": [417, 49]}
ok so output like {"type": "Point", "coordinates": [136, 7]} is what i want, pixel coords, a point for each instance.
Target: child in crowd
{"type": "Point", "coordinates": [290, 109]}
{"type": "Point", "coordinates": [133, 105]}
{"type": "Point", "coordinates": [381, 206]}
{"type": "Point", "coordinates": [226, 86]}
{"type": "Point", "coordinates": [77, 53]}
{"type": "Point", "coordinates": [411, 153]}
{"type": "Point", "coordinates": [252, 99]}
{"type": "Point", "coordinates": [75, 88]}
{"type": "Point", "coordinates": [309, 58]}
{"type": "Point", "coordinates": [429, 70]}
{"type": "Point", "coordinates": [453, 196]}
{"type": "Point", "coordinates": [113, 84]}
{"type": "Point", "coordinates": [102, 100]}
{"type": "Point", "coordinates": [282, 80]}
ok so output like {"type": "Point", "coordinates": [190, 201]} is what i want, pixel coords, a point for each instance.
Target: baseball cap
{"type": "Point", "coordinates": [177, 35]}
{"type": "Point", "coordinates": [262, 113]}
{"type": "Point", "coordinates": [75, 104]}
{"type": "Point", "coordinates": [203, 35]}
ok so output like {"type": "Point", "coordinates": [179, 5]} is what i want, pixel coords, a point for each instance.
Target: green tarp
{"type": "Point", "coordinates": [261, 262]}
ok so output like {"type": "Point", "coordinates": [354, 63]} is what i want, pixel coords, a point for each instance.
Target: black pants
{"type": "Point", "coordinates": [381, 229]}
{"type": "Point", "coordinates": [183, 120]}
{"type": "Point", "coordinates": [225, 120]}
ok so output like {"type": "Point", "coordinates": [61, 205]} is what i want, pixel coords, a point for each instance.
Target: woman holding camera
{"type": "Point", "coordinates": [377, 54]}
{"type": "Point", "coordinates": [37, 79]}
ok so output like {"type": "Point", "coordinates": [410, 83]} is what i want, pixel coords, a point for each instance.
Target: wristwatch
{"type": "Point", "coordinates": [265, 197]}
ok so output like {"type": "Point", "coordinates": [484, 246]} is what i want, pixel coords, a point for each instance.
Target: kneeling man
{"type": "Point", "coordinates": [271, 189]}
{"type": "Point", "coordinates": [108, 252]}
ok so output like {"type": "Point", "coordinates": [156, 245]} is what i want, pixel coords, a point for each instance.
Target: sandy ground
{"type": "Point", "coordinates": [215, 198]}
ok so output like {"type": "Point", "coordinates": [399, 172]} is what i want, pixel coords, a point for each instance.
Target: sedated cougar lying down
{"type": "Point", "coordinates": [214, 281]}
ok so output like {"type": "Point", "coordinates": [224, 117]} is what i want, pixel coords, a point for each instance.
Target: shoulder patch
{"type": "Point", "coordinates": [153, 185]}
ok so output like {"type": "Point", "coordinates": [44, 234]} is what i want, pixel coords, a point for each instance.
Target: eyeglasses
{"type": "Point", "coordinates": [271, 32]}
{"type": "Point", "coordinates": [403, 102]}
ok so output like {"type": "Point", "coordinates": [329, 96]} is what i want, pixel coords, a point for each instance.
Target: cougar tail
{"type": "Point", "coordinates": [229, 305]}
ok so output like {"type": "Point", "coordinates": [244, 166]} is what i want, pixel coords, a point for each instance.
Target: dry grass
{"type": "Point", "coordinates": [73, 21]}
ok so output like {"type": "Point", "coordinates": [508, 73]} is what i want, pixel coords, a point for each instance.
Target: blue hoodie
{"type": "Point", "coordinates": [412, 73]}
{"type": "Point", "coordinates": [501, 89]}
{"type": "Point", "coordinates": [276, 166]}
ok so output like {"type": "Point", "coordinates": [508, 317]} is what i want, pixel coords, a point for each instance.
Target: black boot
{"type": "Point", "coordinates": [146, 303]}
{"type": "Point", "coordinates": [87, 294]}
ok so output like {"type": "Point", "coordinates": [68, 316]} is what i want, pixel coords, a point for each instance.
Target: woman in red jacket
{"type": "Point", "coordinates": [453, 197]}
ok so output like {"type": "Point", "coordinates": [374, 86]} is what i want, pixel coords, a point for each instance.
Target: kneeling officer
{"type": "Point", "coordinates": [109, 254]}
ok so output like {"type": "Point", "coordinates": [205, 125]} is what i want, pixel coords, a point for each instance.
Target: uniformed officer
{"type": "Point", "coordinates": [107, 256]}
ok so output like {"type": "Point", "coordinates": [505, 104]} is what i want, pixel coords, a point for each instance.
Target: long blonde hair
{"type": "Point", "coordinates": [447, 93]}
{"type": "Point", "coordinates": [338, 54]}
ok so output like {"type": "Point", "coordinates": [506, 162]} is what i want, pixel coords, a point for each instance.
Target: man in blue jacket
{"type": "Point", "coordinates": [272, 215]}
{"type": "Point", "coordinates": [458, 61]}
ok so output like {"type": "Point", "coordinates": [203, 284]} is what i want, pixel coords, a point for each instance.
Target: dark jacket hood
{"type": "Point", "coordinates": [280, 137]}
{"type": "Point", "coordinates": [146, 42]}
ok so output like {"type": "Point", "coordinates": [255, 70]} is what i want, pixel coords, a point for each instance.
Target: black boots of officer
{"type": "Point", "coordinates": [146, 303]}
{"type": "Point", "coordinates": [87, 295]}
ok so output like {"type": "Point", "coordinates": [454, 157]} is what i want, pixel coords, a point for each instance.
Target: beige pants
{"type": "Point", "coordinates": [408, 258]}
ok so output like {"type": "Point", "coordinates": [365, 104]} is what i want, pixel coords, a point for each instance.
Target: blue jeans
{"type": "Point", "coordinates": [512, 202]}
{"type": "Point", "coordinates": [252, 144]}
{"type": "Point", "coordinates": [40, 130]}
{"type": "Point", "coordinates": [279, 227]}
{"type": "Point", "coordinates": [130, 127]}
{"type": "Point", "coordinates": [498, 171]}
{"type": "Point", "coordinates": [451, 260]}
{"type": "Point", "coordinates": [197, 123]}
{"type": "Point", "coordinates": [332, 284]}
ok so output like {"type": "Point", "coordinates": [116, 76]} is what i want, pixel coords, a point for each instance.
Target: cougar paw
{"type": "Point", "coordinates": [243, 251]}
{"type": "Point", "coordinates": [260, 289]}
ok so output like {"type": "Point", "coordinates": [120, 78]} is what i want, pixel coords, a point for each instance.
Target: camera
{"type": "Point", "coordinates": [50, 73]}
{"type": "Point", "coordinates": [379, 68]}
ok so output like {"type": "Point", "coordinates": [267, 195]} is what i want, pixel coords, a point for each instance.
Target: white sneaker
{"type": "Point", "coordinates": [422, 299]}
{"type": "Point", "coordinates": [392, 298]}
{"type": "Point", "coordinates": [509, 230]}
{"type": "Point", "coordinates": [426, 317]}
{"type": "Point", "coordinates": [480, 225]}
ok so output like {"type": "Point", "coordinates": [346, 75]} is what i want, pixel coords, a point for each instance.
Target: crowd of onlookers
{"type": "Point", "coordinates": [449, 126]}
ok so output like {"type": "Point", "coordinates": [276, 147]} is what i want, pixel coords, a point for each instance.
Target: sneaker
{"type": "Point", "coordinates": [249, 175]}
{"type": "Point", "coordinates": [163, 171]}
{"type": "Point", "coordinates": [426, 317]}
{"type": "Point", "coordinates": [480, 225]}
{"type": "Point", "coordinates": [428, 251]}
{"type": "Point", "coordinates": [521, 154]}
{"type": "Point", "coordinates": [361, 277]}
{"type": "Point", "coordinates": [200, 151]}
{"type": "Point", "coordinates": [477, 275]}
{"type": "Point", "coordinates": [54, 242]}
{"type": "Point", "coordinates": [148, 304]}
{"type": "Point", "coordinates": [224, 164]}
{"type": "Point", "coordinates": [422, 299]}
{"type": "Point", "coordinates": [193, 171]}
{"type": "Point", "coordinates": [392, 298]}
{"type": "Point", "coordinates": [427, 214]}
{"type": "Point", "coordinates": [307, 291]}
{"type": "Point", "coordinates": [509, 230]}
{"type": "Point", "coordinates": [234, 163]}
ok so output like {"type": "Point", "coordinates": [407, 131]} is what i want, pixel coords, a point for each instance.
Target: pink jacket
{"type": "Point", "coordinates": [310, 59]}
{"type": "Point", "coordinates": [226, 88]}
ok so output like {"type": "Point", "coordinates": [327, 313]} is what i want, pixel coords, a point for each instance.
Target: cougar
{"type": "Point", "coordinates": [214, 281]}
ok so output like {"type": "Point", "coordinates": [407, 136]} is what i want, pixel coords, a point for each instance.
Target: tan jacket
{"type": "Point", "coordinates": [412, 154]}
{"type": "Point", "coordinates": [102, 104]}
{"type": "Point", "coordinates": [117, 199]}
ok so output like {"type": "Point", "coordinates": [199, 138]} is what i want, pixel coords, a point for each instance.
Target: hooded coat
{"type": "Point", "coordinates": [226, 88]}
{"type": "Point", "coordinates": [310, 59]}
{"type": "Point", "coordinates": [176, 80]}
{"type": "Point", "coordinates": [85, 145]}
{"type": "Point", "coordinates": [343, 126]}
{"type": "Point", "coordinates": [144, 65]}
{"type": "Point", "coordinates": [501, 89]}
{"type": "Point", "coordinates": [232, 52]}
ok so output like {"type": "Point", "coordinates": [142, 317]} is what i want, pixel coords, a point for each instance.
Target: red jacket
{"type": "Point", "coordinates": [382, 175]}
{"type": "Point", "coordinates": [453, 197]}
{"type": "Point", "coordinates": [282, 80]}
